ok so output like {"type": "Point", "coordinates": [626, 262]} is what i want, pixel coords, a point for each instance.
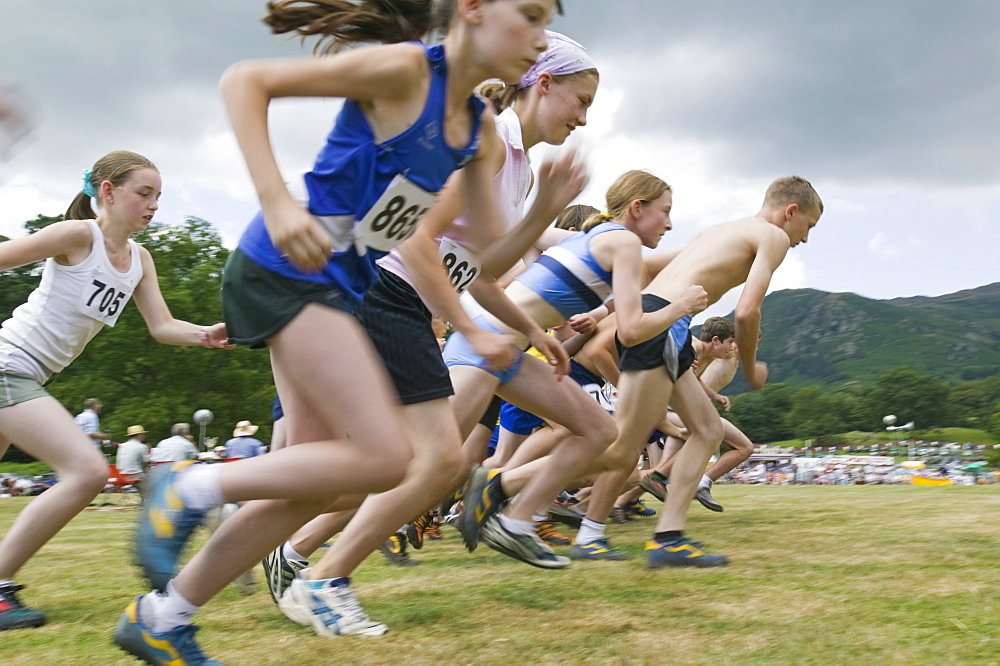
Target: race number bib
{"type": "Point", "coordinates": [105, 298]}
{"type": "Point", "coordinates": [462, 265]}
{"type": "Point", "coordinates": [597, 393]}
{"type": "Point", "coordinates": [393, 217]}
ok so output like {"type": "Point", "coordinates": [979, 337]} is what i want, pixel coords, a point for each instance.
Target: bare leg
{"type": "Point", "coordinates": [308, 372]}
{"type": "Point", "coordinates": [43, 428]}
{"type": "Point", "coordinates": [308, 539]}
{"type": "Point", "coordinates": [437, 460]}
{"type": "Point", "coordinates": [730, 460]}
{"type": "Point", "coordinates": [697, 412]}
{"type": "Point", "coordinates": [507, 443]}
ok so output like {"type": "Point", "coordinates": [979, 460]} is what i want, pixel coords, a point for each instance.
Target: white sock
{"type": "Point", "coordinates": [590, 531]}
{"type": "Point", "coordinates": [539, 517]}
{"type": "Point", "coordinates": [516, 526]}
{"type": "Point", "coordinates": [164, 611]}
{"type": "Point", "coordinates": [705, 482]}
{"type": "Point", "coordinates": [199, 487]}
{"type": "Point", "coordinates": [291, 554]}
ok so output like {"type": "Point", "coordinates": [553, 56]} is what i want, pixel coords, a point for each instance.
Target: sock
{"type": "Point", "coordinates": [539, 517]}
{"type": "Point", "coordinates": [668, 536]}
{"type": "Point", "coordinates": [199, 487]}
{"type": "Point", "coordinates": [516, 526]}
{"type": "Point", "coordinates": [705, 482]}
{"type": "Point", "coordinates": [341, 581]}
{"type": "Point", "coordinates": [590, 531]}
{"type": "Point", "coordinates": [161, 612]}
{"type": "Point", "coordinates": [290, 553]}
{"type": "Point", "coordinates": [577, 510]}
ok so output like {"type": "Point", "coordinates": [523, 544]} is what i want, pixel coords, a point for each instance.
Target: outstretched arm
{"type": "Point", "coordinates": [162, 325]}
{"type": "Point", "coordinates": [770, 254]}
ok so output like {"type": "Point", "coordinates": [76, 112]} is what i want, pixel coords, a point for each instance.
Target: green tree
{"type": "Point", "coordinates": [815, 414]}
{"type": "Point", "coordinates": [911, 396]}
{"type": "Point", "coordinates": [762, 415]}
{"type": "Point", "coordinates": [141, 381]}
{"type": "Point", "coordinates": [968, 406]}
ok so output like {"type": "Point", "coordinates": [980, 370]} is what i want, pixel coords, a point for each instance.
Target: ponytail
{"type": "Point", "coordinates": [115, 167]}
{"type": "Point", "coordinates": [343, 22]}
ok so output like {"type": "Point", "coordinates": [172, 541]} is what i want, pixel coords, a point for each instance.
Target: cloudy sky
{"type": "Point", "coordinates": [890, 108]}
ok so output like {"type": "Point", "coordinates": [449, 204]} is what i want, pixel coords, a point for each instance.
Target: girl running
{"type": "Point", "coordinates": [409, 120]}
{"type": "Point", "coordinates": [552, 99]}
{"type": "Point", "coordinates": [92, 270]}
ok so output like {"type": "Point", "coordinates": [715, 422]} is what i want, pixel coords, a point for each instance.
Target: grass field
{"type": "Point", "coordinates": [818, 575]}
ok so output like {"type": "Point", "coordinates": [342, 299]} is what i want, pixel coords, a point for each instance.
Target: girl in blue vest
{"type": "Point", "coordinates": [409, 120]}
{"type": "Point", "coordinates": [92, 270]}
{"type": "Point", "coordinates": [575, 276]}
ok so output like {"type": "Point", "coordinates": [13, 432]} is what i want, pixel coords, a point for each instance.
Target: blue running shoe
{"type": "Point", "coordinates": [596, 550]}
{"type": "Point", "coordinates": [638, 508]}
{"type": "Point", "coordinates": [165, 526]}
{"type": "Point", "coordinates": [484, 497]}
{"type": "Point", "coordinates": [682, 552]}
{"type": "Point", "coordinates": [176, 647]}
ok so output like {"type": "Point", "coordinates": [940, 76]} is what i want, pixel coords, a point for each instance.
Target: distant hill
{"type": "Point", "coordinates": [817, 338]}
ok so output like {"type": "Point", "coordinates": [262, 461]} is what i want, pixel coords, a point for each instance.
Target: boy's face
{"type": "Point", "coordinates": [798, 223]}
{"type": "Point", "coordinates": [722, 348]}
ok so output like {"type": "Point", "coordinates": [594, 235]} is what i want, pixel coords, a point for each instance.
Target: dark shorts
{"type": "Point", "coordinates": [399, 326]}
{"type": "Point", "coordinates": [670, 350]}
{"type": "Point", "coordinates": [258, 303]}
{"type": "Point", "coordinates": [492, 414]}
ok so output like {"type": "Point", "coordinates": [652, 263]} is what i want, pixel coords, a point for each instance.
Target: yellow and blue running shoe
{"type": "Point", "coordinates": [639, 508]}
{"type": "Point", "coordinates": [165, 526]}
{"type": "Point", "coordinates": [484, 497]}
{"type": "Point", "coordinates": [680, 552]}
{"type": "Point", "coordinates": [601, 549]}
{"type": "Point", "coordinates": [176, 647]}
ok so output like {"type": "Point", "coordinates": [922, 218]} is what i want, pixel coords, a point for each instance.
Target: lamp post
{"type": "Point", "coordinates": [202, 417]}
{"type": "Point", "coordinates": [890, 421]}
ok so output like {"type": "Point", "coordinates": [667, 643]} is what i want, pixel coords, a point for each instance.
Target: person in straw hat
{"type": "Point", "coordinates": [244, 444]}
{"type": "Point", "coordinates": [133, 454]}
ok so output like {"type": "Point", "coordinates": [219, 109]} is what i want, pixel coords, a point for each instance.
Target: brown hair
{"type": "Point", "coordinates": [116, 167]}
{"type": "Point", "coordinates": [717, 327]}
{"type": "Point", "coordinates": [503, 96]}
{"type": "Point", "coordinates": [574, 216]}
{"type": "Point", "coordinates": [630, 186]}
{"type": "Point", "coordinates": [343, 22]}
{"type": "Point", "coordinates": [792, 189]}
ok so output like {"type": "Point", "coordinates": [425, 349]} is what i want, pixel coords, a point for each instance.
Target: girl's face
{"type": "Point", "coordinates": [653, 219]}
{"type": "Point", "coordinates": [563, 106]}
{"type": "Point", "coordinates": [136, 200]}
{"type": "Point", "coordinates": [512, 35]}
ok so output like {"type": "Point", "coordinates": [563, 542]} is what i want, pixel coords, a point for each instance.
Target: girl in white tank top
{"type": "Point", "coordinates": [92, 269]}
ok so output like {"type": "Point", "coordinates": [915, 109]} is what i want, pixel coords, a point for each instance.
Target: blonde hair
{"type": "Point", "coordinates": [630, 186]}
{"type": "Point", "coordinates": [573, 217]}
{"type": "Point", "coordinates": [792, 189]}
{"type": "Point", "coordinates": [116, 167]}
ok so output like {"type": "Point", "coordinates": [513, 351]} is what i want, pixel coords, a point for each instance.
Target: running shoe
{"type": "Point", "coordinates": [454, 515]}
{"type": "Point", "coordinates": [415, 530]}
{"type": "Point", "coordinates": [433, 532]}
{"type": "Point", "coordinates": [547, 532]}
{"type": "Point", "coordinates": [618, 515]}
{"type": "Point", "coordinates": [14, 614]}
{"type": "Point", "coordinates": [565, 515]}
{"type": "Point", "coordinates": [682, 552]}
{"type": "Point", "coordinates": [704, 495]}
{"type": "Point", "coordinates": [176, 646]}
{"type": "Point", "coordinates": [484, 497]}
{"type": "Point", "coordinates": [331, 610]}
{"type": "Point", "coordinates": [639, 508]}
{"type": "Point", "coordinates": [525, 547]}
{"type": "Point", "coordinates": [655, 484]}
{"type": "Point", "coordinates": [279, 572]}
{"type": "Point", "coordinates": [596, 550]}
{"type": "Point", "coordinates": [165, 527]}
{"type": "Point", "coordinates": [395, 553]}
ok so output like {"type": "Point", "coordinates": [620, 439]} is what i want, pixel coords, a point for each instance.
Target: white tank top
{"type": "Point", "coordinates": [511, 186]}
{"type": "Point", "coordinates": [70, 306]}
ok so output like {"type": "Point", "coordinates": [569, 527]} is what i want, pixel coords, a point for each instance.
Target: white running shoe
{"type": "Point", "coordinates": [330, 611]}
{"type": "Point", "coordinates": [525, 547]}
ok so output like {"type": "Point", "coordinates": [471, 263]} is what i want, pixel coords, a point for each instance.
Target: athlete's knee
{"type": "Point", "coordinates": [90, 476]}
{"type": "Point", "coordinates": [602, 432]}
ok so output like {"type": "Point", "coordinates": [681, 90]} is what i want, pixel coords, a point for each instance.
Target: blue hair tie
{"type": "Point", "coordinates": [88, 187]}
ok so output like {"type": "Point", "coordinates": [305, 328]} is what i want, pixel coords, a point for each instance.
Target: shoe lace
{"type": "Point", "coordinates": [348, 604]}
